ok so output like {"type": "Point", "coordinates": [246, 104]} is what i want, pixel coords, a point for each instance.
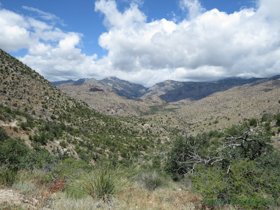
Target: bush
{"type": "Point", "coordinates": [151, 180]}
{"type": "Point", "coordinates": [253, 122]}
{"type": "Point", "coordinates": [248, 183]}
{"type": "Point", "coordinates": [172, 166]}
{"type": "Point", "coordinates": [245, 181]}
{"type": "Point", "coordinates": [12, 153]}
{"type": "Point", "coordinates": [3, 135]}
{"type": "Point", "coordinates": [267, 117]}
{"type": "Point", "coordinates": [210, 182]}
{"type": "Point", "coordinates": [103, 182]}
{"type": "Point", "coordinates": [267, 126]}
{"type": "Point", "coordinates": [63, 144]}
{"type": "Point", "coordinates": [7, 176]}
{"type": "Point", "coordinates": [277, 117]}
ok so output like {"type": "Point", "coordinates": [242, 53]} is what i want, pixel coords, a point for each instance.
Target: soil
{"type": "Point", "coordinates": [11, 198]}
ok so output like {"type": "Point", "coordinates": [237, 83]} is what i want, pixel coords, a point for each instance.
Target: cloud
{"type": "Point", "coordinates": [193, 7]}
{"type": "Point", "coordinates": [44, 15]}
{"type": "Point", "coordinates": [14, 33]}
{"type": "Point", "coordinates": [206, 45]}
{"type": "Point", "coordinates": [114, 18]}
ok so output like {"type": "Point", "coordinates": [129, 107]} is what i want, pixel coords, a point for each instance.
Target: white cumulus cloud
{"type": "Point", "coordinates": [206, 45]}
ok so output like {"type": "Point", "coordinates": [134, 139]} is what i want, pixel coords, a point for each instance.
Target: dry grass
{"type": "Point", "coordinates": [140, 198]}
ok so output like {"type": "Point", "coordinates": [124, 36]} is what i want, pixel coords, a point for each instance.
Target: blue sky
{"type": "Point", "coordinates": [143, 41]}
{"type": "Point", "coordinates": [79, 16]}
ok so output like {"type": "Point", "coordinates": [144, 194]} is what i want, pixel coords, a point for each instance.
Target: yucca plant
{"type": "Point", "coordinates": [104, 182]}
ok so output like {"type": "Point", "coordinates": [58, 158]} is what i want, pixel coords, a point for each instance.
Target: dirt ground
{"type": "Point", "coordinates": [11, 198]}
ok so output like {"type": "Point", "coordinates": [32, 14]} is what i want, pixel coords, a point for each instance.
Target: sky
{"type": "Point", "coordinates": [143, 41]}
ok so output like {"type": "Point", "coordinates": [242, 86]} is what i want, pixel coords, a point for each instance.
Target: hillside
{"type": "Point", "coordinates": [108, 102]}
{"type": "Point", "coordinates": [197, 90]}
{"type": "Point", "coordinates": [162, 88]}
{"type": "Point", "coordinates": [57, 152]}
{"type": "Point", "coordinates": [225, 108]}
{"type": "Point", "coordinates": [121, 87]}
{"type": "Point", "coordinates": [36, 111]}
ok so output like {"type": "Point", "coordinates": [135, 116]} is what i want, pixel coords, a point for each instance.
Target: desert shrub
{"type": "Point", "coordinates": [70, 167]}
{"type": "Point", "coordinates": [277, 117]}
{"type": "Point", "coordinates": [156, 164]}
{"type": "Point", "coordinates": [253, 122]}
{"type": "Point", "coordinates": [64, 144]}
{"type": "Point", "coordinates": [13, 153]}
{"type": "Point", "coordinates": [3, 135]}
{"type": "Point", "coordinates": [267, 126]}
{"type": "Point", "coordinates": [247, 182]}
{"type": "Point", "coordinates": [210, 182]}
{"type": "Point", "coordinates": [267, 117]}
{"type": "Point", "coordinates": [178, 159]}
{"type": "Point", "coordinates": [173, 166]}
{"type": "Point", "coordinates": [270, 163]}
{"type": "Point", "coordinates": [103, 182]}
{"type": "Point", "coordinates": [152, 180]}
{"type": "Point", "coordinates": [235, 130]}
{"type": "Point", "coordinates": [7, 176]}
{"type": "Point", "coordinates": [75, 190]}
{"type": "Point", "coordinates": [244, 181]}
{"type": "Point", "coordinates": [40, 159]}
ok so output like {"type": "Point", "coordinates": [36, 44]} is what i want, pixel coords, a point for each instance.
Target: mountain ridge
{"type": "Point", "coordinates": [169, 90]}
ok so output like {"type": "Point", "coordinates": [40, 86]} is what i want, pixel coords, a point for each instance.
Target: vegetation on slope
{"type": "Point", "coordinates": [59, 153]}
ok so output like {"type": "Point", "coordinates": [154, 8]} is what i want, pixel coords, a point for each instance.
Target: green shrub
{"type": "Point", "coordinates": [267, 126]}
{"type": "Point", "coordinates": [13, 153]}
{"type": "Point", "coordinates": [245, 181]}
{"type": "Point", "coordinates": [152, 180]}
{"type": "Point", "coordinates": [253, 122]}
{"type": "Point", "coordinates": [63, 144]}
{"type": "Point", "coordinates": [103, 182]}
{"type": "Point", "coordinates": [277, 117]}
{"type": "Point", "coordinates": [248, 183]}
{"type": "Point", "coordinates": [210, 182]}
{"type": "Point", "coordinates": [7, 176]}
{"type": "Point", "coordinates": [75, 190]}
{"type": "Point", "coordinates": [267, 117]}
{"type": "Point", "coordinates": [3, 135]}
{"type": "Point", "coordinates": [156, 164]}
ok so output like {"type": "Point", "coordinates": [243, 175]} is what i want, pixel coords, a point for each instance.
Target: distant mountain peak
{"type": "Point", "coordinates": [113, 78]}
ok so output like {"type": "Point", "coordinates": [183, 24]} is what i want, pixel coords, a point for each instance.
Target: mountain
{"type": "Point", "coordinates": [198, 90]}
{"type": "Point", "coordinates": [45, 118]}
{"type": "Point", "coordinates": [225, 108]}
{"type": "Point", "coordinates": [169, 90]}
{"type": "Point", "coordinates": [108, 101]}
{"type": "Point", "coordinates": [62, 82]}
{"type": "Point", "coordinates": [162, 88]}
{"type": "Point", "coordinates": [121, 87]}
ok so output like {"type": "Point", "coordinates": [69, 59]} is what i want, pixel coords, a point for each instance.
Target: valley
{"type": "Point", "coordinates": [60, 145]}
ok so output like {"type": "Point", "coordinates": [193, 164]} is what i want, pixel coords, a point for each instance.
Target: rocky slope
{"type": "Point", "coordinates": [170, 91]}
{"type": "Point", "coordinates": [34, 110]}
{"type": "Point", "coordinates": [198, 90]}
{"type": "Point", "coordinates": [121, 87]}
{"type": "Point", "coordinates": [108, 102]}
